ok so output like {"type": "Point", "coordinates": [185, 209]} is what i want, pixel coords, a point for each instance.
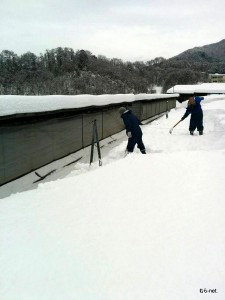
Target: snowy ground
{"type": "Point", "coordinates": [140, 227]}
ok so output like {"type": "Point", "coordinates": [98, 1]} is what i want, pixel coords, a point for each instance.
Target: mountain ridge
{"type": "Point", "coordinates": [209, 53]}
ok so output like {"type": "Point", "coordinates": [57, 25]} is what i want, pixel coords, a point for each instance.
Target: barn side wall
{"type": "Point", "coordinates": [30, 141]}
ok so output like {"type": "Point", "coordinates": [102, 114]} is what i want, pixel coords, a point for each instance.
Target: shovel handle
{"type": "Point", "coordinates": [174, 126]}
{"type": "Point", "coordinates": [177, 123]}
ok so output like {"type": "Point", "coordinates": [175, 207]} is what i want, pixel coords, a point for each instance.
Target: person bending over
{"type": "Point", "coordinates": [133, 130]}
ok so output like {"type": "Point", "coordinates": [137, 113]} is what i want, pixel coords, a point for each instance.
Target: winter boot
{"type": "Point", "coordinates": [191, 132]}
{"type": "Point", "coordinates": [200, 132]}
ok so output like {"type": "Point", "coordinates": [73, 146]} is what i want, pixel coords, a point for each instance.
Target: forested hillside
{"type": "Point", "coordinates": [205, 60]}
{"type": "Point", "coordinates": [64, 71]}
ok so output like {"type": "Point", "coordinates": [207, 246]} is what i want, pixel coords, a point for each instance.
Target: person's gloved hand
{"type": "Point", "coordinates": [129, 134]}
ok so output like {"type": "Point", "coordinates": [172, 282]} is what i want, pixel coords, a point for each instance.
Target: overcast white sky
{"type": "Point", "coordinates": [127, 29]}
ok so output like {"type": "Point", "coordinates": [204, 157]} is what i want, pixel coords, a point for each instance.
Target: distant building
{"type": "Point", "coordinates": [155, 90]}
{"type": "Point", "coordinates": [216, 77]}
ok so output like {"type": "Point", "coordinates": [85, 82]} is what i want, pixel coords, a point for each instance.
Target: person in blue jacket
{"type": "Point", "coordinates": [133, 130]}
{"type": "Point", "coordinates": [194, 108]}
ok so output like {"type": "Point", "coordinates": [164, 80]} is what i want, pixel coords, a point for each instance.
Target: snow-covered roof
{"type": "Point", "coordinates": [210, 88]}
{"type": "Point", "coordinates": [87, 231]}
{"type": "Point", "coordinates": [15, 104]}
{"type": "Point", "coordinates": [216, 74]}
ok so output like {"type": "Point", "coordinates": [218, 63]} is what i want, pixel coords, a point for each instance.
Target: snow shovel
{"type": "Point", "coordinates": [171, 130]}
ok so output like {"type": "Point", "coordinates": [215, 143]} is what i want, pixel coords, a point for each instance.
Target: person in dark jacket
{"type": "Point", "coordinates": [194, 108]}
{"type": "Point", "coordinates": [133, 130]}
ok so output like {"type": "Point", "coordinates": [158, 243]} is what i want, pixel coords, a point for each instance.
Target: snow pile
{"type": "Point", "coordinates": [140, 227]}
{"type": "Point", "coordinates": [15, 104]}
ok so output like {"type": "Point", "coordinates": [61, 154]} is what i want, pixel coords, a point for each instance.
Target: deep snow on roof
{"type": "Point", "coordinates": [138, 227]}
{"type": "Point", "coordinates": [211, 88]}
{"type": "Point", "coordinates": [16, 104]}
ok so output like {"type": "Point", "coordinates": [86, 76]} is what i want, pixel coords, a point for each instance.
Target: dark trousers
{"type": "Point", "coordinates": [133, 141]}
{"type": "Point", "coordinates": [196, 121]}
